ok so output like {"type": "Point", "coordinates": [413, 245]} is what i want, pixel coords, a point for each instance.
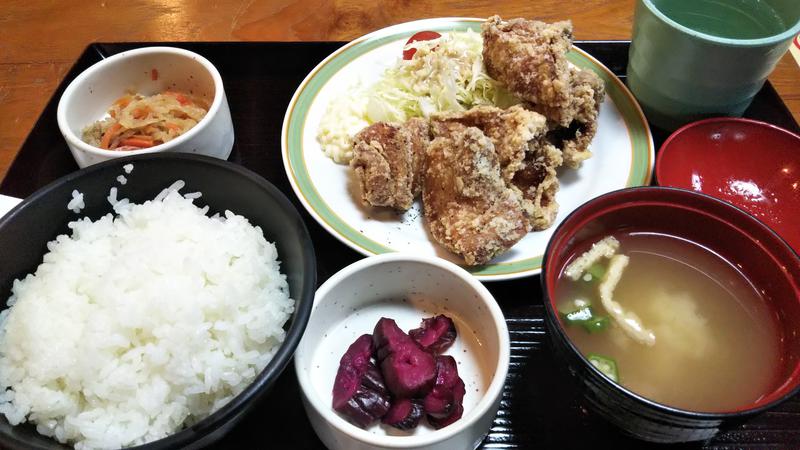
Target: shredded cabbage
{"type": "Point", "coordinates": [445, 74]}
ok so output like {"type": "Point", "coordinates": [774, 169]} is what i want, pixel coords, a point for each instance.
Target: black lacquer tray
{"type": "Point", "coordinates": [541, 407]}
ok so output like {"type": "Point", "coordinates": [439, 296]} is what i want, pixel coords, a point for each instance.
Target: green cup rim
{"type": "Point", "coordinates": [765, 41]}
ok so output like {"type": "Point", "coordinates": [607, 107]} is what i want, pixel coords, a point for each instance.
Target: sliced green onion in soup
{"type": "Point", "coordinates": [596, 324]}
{"type": "Point", "coordinates": [597, 271]}
{"type": "Point", "coordinates": [579, 315]}
{"type": "Point", "coordinates": [606, 365]}
{"type": "Point", "coordinates": [585, 316]}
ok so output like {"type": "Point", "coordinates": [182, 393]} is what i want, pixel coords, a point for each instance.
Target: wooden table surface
{"type": "Point", "coordinates": [40, 39]}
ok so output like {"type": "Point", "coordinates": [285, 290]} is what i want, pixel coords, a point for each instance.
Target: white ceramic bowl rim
{"type": "Point", "coordinates": [69, 93]}
{"type": "Point", "coordinates": [493, 392]}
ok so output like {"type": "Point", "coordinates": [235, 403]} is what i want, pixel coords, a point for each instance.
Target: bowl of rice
{"type": "Point", "coordinates": [147, 100]}
{"type": "Point", "coordinates": [149, 300]}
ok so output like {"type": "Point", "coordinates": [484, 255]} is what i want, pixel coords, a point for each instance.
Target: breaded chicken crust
{"type": "Point", "coordinates": [588, 92]}
{"type": "Point", "coordinates": [468, 206]}
{"type": "Point", "coordinates": [530, 58]}
{"type": "Point", "coordinates": [509, 129]}
{"type": "Point", "coordinates": [538, 182]}
{"type": "Point", "coordinates": [388, 160]}
{"type": "Point", "coordinates": [419, 134]}
{"type": "Point", "coordinates": [528, 161]}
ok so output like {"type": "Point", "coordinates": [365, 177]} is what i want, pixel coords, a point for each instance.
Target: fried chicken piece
{"type": "Point", "coordinates": [419, 133]}
{"type": "Point", "coordinates": [382, 163]}
{"type": "Point", "coordinates": [469, 208]}
{"type": "Point", "coordinates": [528, 161]}
{"type": "Point", "coordinates": [538, 182]}
{"type": "Point", "coordinates": [388, 161]}
{"type": "Point", "coordinates": [588, 92]}
{"type": "Point", "coordinates": [530, 58]}
{"type": "Point", "coordinates": [510, 131]}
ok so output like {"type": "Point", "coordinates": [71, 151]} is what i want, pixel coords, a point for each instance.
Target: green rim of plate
{"type": "Point", "coordinates": [641, 139]}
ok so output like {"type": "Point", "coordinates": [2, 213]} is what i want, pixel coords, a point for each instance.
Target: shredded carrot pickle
{"type": "Point", "coordinates": [135, 121]}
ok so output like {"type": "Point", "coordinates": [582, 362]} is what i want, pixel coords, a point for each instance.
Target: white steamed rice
{"type": "Point", "coordinates": [76, 204]}
{"type": "Point", "coordinates": [139, 324]}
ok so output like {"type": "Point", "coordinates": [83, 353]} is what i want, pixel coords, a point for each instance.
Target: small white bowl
{"type": "Point", "coordinates": [406, 288]}
{"type": "Point", "coordinates": [90, 95]}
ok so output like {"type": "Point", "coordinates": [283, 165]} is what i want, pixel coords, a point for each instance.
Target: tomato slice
{"type": "Point", "coordinates": [421, 36]}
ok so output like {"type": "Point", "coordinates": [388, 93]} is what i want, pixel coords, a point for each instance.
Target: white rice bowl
{"type": "Point", "coordinates": [140, 324]}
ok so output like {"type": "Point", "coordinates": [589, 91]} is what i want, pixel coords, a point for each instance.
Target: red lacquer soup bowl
{"type": "Point", "coordinates": [751, 164]}
{"type": "Point", "coordinates": [765, 259]}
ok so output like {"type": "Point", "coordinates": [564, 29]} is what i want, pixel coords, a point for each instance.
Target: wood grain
{"type": "Point", "coordinates": [40, 39]}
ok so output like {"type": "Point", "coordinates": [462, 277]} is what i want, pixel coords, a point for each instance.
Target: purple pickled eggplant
{"type": "Point", "coordinates": [359, 392]}
{"type": "Point", "coordinates": [436, 334]}
{"type": "Point", "coordinates": [441, 400]}
{"type": "Point", "coordinates": [387, 337]}
{"type": "Point", "coordinates": [458, 410]}
{"type": "Point", "coordinates": [404, 413]}
{"type": "Point", "coordinates": [409, 370]}
{"type": "Point", "coordinates": [445, 403]}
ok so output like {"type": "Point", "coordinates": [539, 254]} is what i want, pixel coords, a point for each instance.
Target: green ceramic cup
{"type": "Point", "coordinates": [680, 74]}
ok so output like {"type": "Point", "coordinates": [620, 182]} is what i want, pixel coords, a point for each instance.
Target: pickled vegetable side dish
{"type": "Point", "coordinates": [135, 121]}
{"type": "Point", "coordinates": [671, 321]}
{"type": "Point", "coordinates": [398, 378]}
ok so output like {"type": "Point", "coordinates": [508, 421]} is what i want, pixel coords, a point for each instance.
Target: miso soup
{"type": "Point", "coordinates": [685, 329]}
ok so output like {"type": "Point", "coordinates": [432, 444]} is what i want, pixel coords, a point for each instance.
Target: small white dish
{"type": "Point", "coordinates": [89, 96]}
{"type": "Point", "coordinates": [406, 288]}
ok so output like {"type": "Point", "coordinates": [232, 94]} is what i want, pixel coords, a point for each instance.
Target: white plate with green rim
{"type": "Point", "coordinates": [623, 156]}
